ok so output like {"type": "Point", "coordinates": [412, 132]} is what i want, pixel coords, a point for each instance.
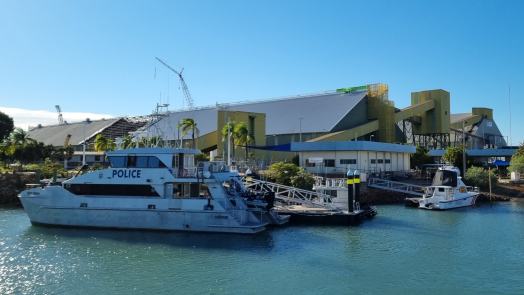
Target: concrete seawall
{"type": "Point", "coordinates": [381, 196]}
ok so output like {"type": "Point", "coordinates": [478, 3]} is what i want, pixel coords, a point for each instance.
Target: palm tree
{"type": "Point", "coordinates": [156, 141]}
{"type": "Point", "coordinates": [229, 128]}
{"type": "Point", "coordinates": [243, 136]}
{"type": "Point", "coordinates": [104, 144]}
{"type": "Point", "coordinates": [127, 142]}
{"type": "Point", "coordinates": [20, 139]}
{"type": "Point", "coordinates": [189, 124]}
{"type": "Point", "coordinates": [5, 151]}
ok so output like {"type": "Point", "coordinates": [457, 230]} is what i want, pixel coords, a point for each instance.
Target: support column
{"type": "Point", "coordinates": [351, 191]}
{"type": "Point", "coordinates": [356, 177]}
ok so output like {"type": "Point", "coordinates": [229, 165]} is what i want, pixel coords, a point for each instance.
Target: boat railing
{"type": "Point", "coordinates": [472, 189]}
{"type": "Point", "coordinates": [231, 210]}
{"type": "Point", "coordinates": [186, 172]}
{"type": "Point", "coordinates": [331, 183]}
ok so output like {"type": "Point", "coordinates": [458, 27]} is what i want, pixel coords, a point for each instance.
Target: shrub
{"type": "Point", "coordinates": [478, 176]}
{"type": "Point", "coordinates": [303, 179]}
{"type": "Point", "coordinates": [281, 172]}
{"type": "Point", "coordinates": [97, 166]}
{"type": "Point", "coordinates": [48, 167]}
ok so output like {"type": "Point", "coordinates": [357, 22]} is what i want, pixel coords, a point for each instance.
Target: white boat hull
{"type": "Point", "coordinates": [70, 210]}
{"type": "Point", "coordinates": [432, 204]}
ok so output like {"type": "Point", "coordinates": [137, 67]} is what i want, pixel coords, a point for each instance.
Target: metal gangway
{"type": "Point", "coordinates": [396, 186]}
{"type": "Point", "coordinates": [292, 195]}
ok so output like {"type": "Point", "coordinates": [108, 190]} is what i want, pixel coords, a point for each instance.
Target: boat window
{"type": "Point", "coordinates": [131, 161]}
{"type": "Point", "coordinates": [117, 162]}
{"type": "Point", "coordinates": [154, 162]}
{"type": "Point", "coordinates": [445, 177]}
{"type": "Point", "coordinates": [141, 162]}
{"type": "Point", "coordinates": [112, 190]}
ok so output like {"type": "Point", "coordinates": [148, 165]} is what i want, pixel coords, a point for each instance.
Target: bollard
{"type": "Point", "coordinates": [351, 190]}
{"type": "Point", "coordinates": [357, 188]}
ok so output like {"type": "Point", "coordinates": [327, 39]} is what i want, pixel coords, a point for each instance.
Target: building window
{"type": "Point", "coordinates": [97, 158]}
{"type": "Point", "coordinates": [380, 161]}
{"type": "Point", "coordinates": [308, 164]}
{"type": "Point", "coordinates": [372, 161]}
{"type": "Point", "coordinates": [348, 161]}
{"type": "Point", "coordinates": [329, 163]}
{"type": "Point", "coordinates": [388, 161]}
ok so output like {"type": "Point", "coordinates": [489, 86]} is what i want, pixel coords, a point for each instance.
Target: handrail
{"type": "Point", "coordinates": [295, 195]}
{"type": "Point", "coordinates": [232, 211]}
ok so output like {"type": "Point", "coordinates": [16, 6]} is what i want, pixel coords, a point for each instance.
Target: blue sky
{"type": "Point", "coordinates": [97, 58]}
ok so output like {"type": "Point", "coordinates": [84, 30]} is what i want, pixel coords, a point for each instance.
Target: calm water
{"type": "Point", "coordinates": [470, 250]}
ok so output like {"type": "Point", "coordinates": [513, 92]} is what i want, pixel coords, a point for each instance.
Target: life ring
{"type": "Point", "coordinates": [462, 189]}
{"type": "Point", "coordinates": [183, 173]}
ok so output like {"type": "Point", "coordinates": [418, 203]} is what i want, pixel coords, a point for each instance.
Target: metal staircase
{"type": "Point", "coordinates": [233, 212]}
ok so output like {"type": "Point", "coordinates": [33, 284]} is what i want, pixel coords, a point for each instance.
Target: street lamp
{"type": "Point", "coordinates": [300, 128]}
{"type": "Point", "coordinates": [463, 150]}
{"type": "Point", "coordinates": [371, 137]}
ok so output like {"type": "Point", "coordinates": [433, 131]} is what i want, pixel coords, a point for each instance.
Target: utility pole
{"type": "Point", "coordinates": [463, 150]}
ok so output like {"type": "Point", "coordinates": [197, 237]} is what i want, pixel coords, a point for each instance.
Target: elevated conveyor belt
{"type": "Point", "coordinates": [414, 110]}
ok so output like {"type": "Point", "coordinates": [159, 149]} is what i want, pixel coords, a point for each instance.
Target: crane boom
{"type": "Point", "coordinates": [60, 117]}
{"type": "Point", "coordinates": [184, 86]}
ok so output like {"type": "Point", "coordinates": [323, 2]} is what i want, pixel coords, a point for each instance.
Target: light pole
{"type": "Point", "coordinates": [300, 128]}
{"type": "Point", "coordinates": [463, 150]}
{"type": "Point", "coordinates": [84, 145]}
{"type": "Point", "coordinates": [371, 137]}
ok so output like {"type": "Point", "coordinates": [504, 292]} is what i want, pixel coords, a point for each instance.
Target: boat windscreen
{"type": "Point", "coordinates": [446, 178]}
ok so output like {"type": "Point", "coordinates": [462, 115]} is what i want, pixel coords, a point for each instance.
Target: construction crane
{"type": "Point", "coordinates": [60, 118]}
{"type": "Point", "coordinates": [66, 142]}
{"type": "Point", "coordinates": [184, 86]}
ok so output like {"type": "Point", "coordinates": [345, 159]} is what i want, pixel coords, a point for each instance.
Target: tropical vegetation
{"type": "Point", "coordinates": [478, 176]}
{"type": "Point", "coordinates": [188, 124]}
{"type": "Point", "coordinates": [420, 157]}
{"type": "Point", "coordinates": [291, 175]}
{"type": "Point", "coordinates": [243, 137]}
{"type": "Point", "coordinates": [229, 131]}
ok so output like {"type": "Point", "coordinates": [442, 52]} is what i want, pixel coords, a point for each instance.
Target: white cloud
{"type": "Point", "coordinates": [25, 118]}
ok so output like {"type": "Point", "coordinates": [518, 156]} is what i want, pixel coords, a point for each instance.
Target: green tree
{"type": "Point", "coordinates": [282, 173]}
{"type": "Point", "coordinates": [243, 136]}
{"type": "Point", "coordinates": [19, 140]}
{"type": "Point", "coordinates": [6, 126]}
{"type": "Point", "coordinates": [303, 179]}
{"type": "Point", "coordinates": [421, 156]}
{"type": "Point", "coordinates": [189, 124]}
{"type": "Point", "coordinates": [478, 176]}
{"type": "Point", "coordinates": [201, 158]}
{"type": "Point", "coordinates": [517, 164]}
{"type": "Point", "coordinates": [229, 131]}
{"type": "Point", "coordinates": [453, 155]}
{"type": "Point", "coordinates": [5, 151]}
{"type": "Point", "coordinates": [520, 150]}
{"type": "Point", "coordinates": [103, 144]}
